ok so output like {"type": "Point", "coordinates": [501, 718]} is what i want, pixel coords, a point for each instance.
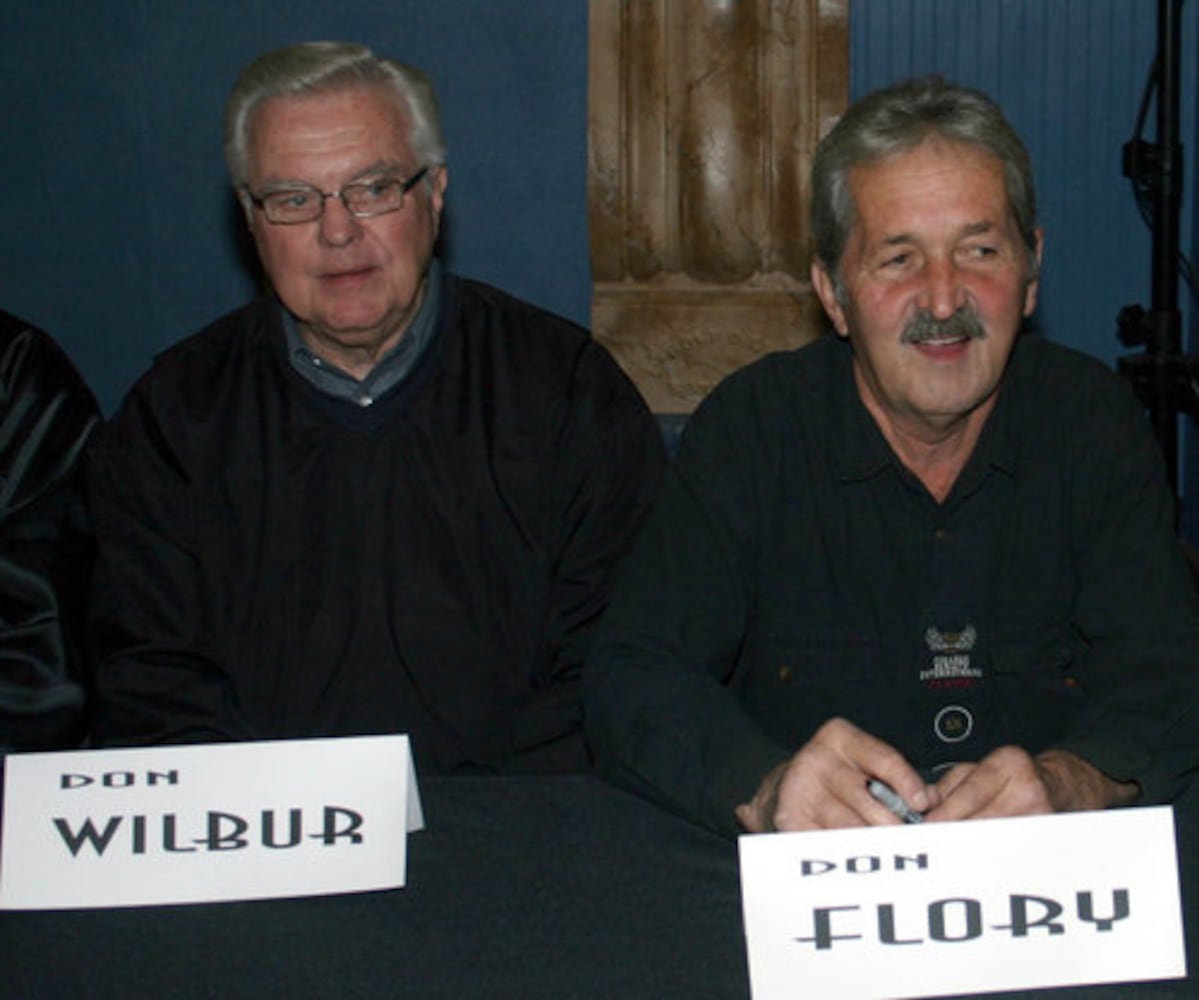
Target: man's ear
{"type": "Point", "coordinates": [1034, 284]}
{"type": "Point", "coordinates": [438, 182]}
{"type": "Point", "coordinates": [825, 288]}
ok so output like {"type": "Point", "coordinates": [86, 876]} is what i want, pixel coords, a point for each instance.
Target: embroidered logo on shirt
{"type": "Point", "coordinates": [951, 666]}
{"type": "Point", "coordinates": [951, 642]}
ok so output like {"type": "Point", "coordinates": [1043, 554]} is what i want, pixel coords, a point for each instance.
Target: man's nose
{"type": "Point", "coordinates": [337, 226]}
{"type": "Point", "coordinates": [943, 291]}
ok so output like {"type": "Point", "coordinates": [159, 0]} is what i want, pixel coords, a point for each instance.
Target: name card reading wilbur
{"type": "Point", "coordinates": [937, 909]}
{"type": "Point", "coordinates": [224, 821]}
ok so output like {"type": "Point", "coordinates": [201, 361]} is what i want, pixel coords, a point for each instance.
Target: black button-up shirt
{"type": "Point", "coordinates": [794, 570]}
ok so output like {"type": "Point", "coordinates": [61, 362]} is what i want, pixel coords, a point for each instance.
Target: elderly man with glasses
{"type": "Point", "coordinates": [381, 499]}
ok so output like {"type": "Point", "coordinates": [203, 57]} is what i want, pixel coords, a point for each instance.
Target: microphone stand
{"type": "Point", "coordinates": [1166, 380]}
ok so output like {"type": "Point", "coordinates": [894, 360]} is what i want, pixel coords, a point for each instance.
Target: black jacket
{"type": "Point", "coordinates": [46, 415]}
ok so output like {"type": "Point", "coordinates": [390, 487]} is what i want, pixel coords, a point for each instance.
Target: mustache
{"type": "Point", "coordinates": [924, 326]}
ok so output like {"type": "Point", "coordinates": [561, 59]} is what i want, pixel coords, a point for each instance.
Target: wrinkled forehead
{"type": "Point", "coordinates": [915, 184]}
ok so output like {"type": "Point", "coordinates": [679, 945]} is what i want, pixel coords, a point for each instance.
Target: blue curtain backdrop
{"type": "Point", "coordinates": [121, 235]}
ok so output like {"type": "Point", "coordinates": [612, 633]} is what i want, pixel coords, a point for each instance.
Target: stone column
{"type": "Point", "coordinates": [703, 115]}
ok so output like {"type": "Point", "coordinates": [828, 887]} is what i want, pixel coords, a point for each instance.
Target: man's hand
{"type": "Point", "coordinates": [1010, 782]}
{"type": "Point", "coordinates": [823, 786]}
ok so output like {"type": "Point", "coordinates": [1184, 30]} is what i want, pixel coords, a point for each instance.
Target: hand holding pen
{"type": "Point", "coordinates": [825, 785]}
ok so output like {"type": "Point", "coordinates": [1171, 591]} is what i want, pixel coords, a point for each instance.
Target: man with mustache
{"type": "Point", "coordinates": [382, 498]}
{"type": "Point", "coordinates": [932, 551]}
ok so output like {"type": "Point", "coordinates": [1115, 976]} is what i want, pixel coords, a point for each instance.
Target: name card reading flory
{"type": "Point", "coordinates": [223, 821]}
{"type": "Point", "coordinates": [937, 909]}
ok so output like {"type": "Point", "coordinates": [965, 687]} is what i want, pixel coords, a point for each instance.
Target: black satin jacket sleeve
{"type": "Point", "coordinates": [47, 413]}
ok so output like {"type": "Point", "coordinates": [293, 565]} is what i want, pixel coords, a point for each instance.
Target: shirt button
{"type": "Point", "coordinates": [786, 673]}
{"type": "Point", "coordinates": [939, 534]}
{"type": "Point", "coordinates": [953, 724]}
{"type": "Point", "coordinates": [316, 363]}
{"type": "Point", "coordinates": [365, 401]}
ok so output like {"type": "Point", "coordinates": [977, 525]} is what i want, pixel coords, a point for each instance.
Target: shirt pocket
{"type": "Point", "coordinates": [1037, 692]}
{"type": "Point", "coordinates": [799, 680]}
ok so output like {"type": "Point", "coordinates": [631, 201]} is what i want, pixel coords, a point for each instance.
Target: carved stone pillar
{"type": "Point", "coordinates": [703, 116]}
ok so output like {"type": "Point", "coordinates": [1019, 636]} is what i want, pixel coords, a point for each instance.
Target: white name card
{"type": "Point", "coordinates": [184, 824]}
{"type": "Point", "coordinates": [935, 909]}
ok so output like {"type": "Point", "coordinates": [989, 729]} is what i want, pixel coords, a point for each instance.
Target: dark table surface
{"type": "Point", "coordinates": [526, 888]}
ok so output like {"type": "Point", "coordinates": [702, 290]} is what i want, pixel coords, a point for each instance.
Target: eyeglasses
{"type": "Point", "coordinates": [362, 199]}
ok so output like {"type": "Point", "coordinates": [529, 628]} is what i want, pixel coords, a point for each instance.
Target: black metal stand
{"type": "Point", "coordinates": [1166, 380]}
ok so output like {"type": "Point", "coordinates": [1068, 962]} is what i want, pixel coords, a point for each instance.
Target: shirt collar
{"type": "Point", "coordinates": [863, 452]}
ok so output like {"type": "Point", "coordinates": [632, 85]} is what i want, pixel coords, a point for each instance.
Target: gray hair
{"type": "Point", "coordinates": [895, 120]}
{"type": "Point", "coordinates": [321, 68]}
